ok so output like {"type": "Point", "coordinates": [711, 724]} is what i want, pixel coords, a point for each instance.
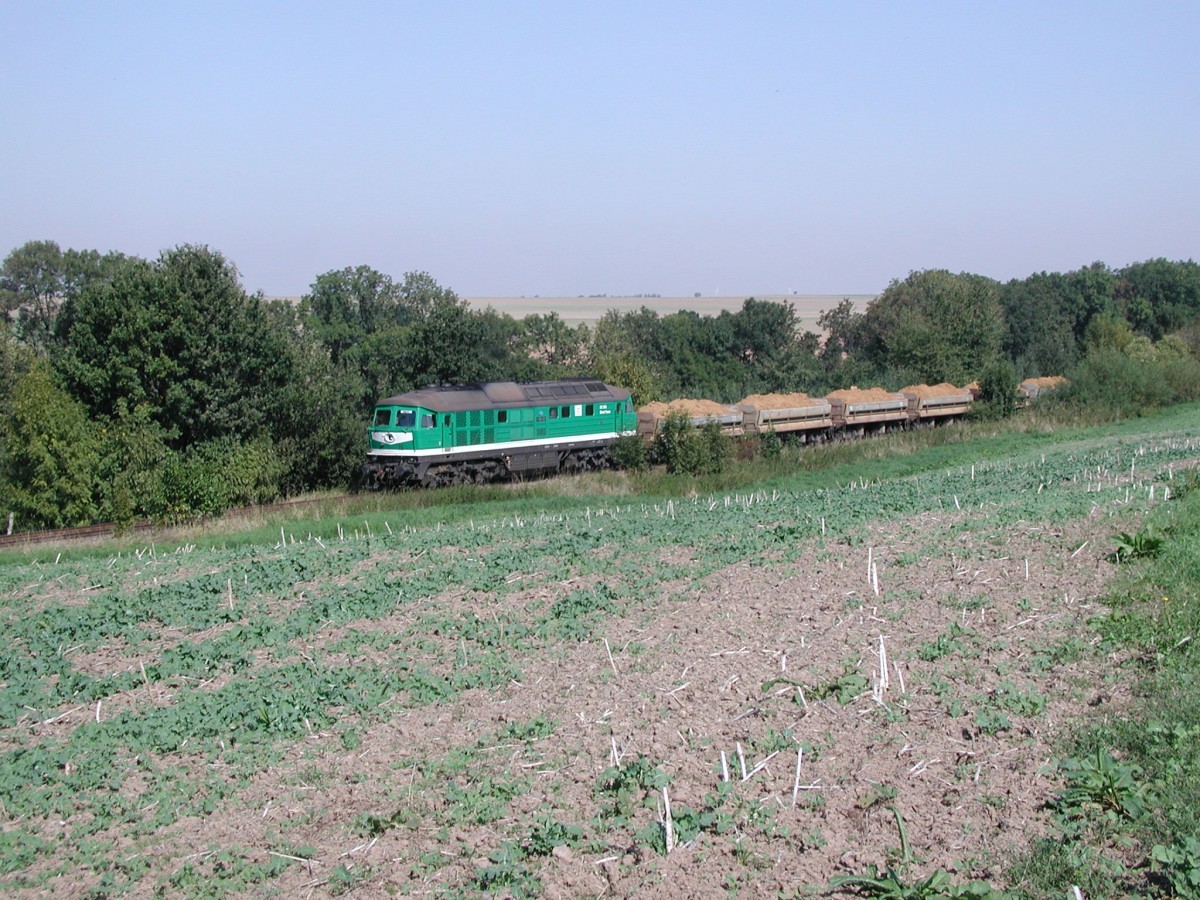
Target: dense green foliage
{"type": "Point", "coordinates": [685, 450]}
{"type": "Point", "coordinates": [48, 460]}
{"type": "Point", "coordinates": [997, 390]}
{"type": "Point", "coordinates": [935, 325]}
{"type": "Point", "coordinates": [180, 336]}
{"type": "Point", "coordinates": [159, 388]}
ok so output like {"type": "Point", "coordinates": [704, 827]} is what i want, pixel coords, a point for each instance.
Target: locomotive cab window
{"type": "Point", "coordinates": [554, 412]}
{"type": "Point", "coordinates": [502, 416]}
{"type": "Point", "coordinates": [383, 417]}
{"type": "Point", "coordinates": [426, 420]}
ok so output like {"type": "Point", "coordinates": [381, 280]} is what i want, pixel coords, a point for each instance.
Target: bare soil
{"type": "Point", "coordinates": [781, 401]}
{"type": "Point", "coordinates": [981, 632]}
{"type": "Point", "coordinates": [864, 395]}
{"type": "Point", "coordinates": [659, 409]}
{"type": "Point", "coordinates": [925, 391]}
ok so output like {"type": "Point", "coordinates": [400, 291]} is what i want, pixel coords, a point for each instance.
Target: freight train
{"type": "Point", "coordinates": [475, 433]}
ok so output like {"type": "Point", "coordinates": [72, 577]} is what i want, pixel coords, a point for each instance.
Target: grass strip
{"type": "Point", "coordinates": [1127, 813]}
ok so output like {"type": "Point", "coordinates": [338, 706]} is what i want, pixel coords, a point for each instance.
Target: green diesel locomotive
{"type": "Point", "coordinates": [474, 433]}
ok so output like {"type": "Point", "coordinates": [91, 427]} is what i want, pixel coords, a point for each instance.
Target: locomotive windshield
{"type": "Point", "coordinates": [405, 418]}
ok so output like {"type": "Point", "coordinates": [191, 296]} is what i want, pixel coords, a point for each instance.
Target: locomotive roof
{"type": "Point", "coordinates": [506, 394]}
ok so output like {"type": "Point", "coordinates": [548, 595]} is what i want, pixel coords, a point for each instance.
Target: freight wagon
{"type": "Point", "coordinates": [852, 412]}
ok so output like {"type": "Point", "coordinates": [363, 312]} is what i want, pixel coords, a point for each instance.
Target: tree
{"type": "Point", "coordinates": [450, 344]}
{"type": "Point", "coordinates": [179, 335]}
{"type": "Point", "coordinates": [1109, 331]}
{"type": "Point", "coordinates": [997, 390]}
{"type": "Point", "coordinates": [1039, 333]}
{"type": "Point", "coordinates": [1089, 293]}
{"type": "Point", "coordinates": [31, 283]}
{"type": "Point", "coordinates": [83, 267]}
{"type": "Point", "coordinates": [547, 338]}
{"type": "Point", "coordinates": [940, 326]}
{"type": "Point", "coordinates": [421, 294]}
{"type": "Point", "coordinates": [399, 336]}
{"type": "Point", "coordinates": [15, 360]}
{"type": "Point", "coordinates": [630, 371]}
{"type": "Point", "coordinates": [133, 455]}
{"type": "Point", "coordinates": [47, 455]}
{"type": "Point", "coordinates": [636, 332]}
{"type": "Point", "coordinates": [699, 356]}
{"type": "Point", "coordinates": [318, 420]}
{"type": "Point", "coordinates": [843, 327]}
{"type": "Point", "coordinates": [1160, 296]}
{"type": "Point", "coordinates": [346, 306]}
{"type": "Point", "coordinates": [763, 330]}
{"type": "Point", "coordinates": [38, 277]}
{"type": "Point", "coordinates": [796, 369]}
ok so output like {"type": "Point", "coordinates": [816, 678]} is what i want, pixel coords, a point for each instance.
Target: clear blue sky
{"type": "Point", "coordinates": [560, 148]}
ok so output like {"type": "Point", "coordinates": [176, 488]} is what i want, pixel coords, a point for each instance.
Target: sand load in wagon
{"type": "Point", "coordinates": [1032, 388]}
{"type": "Point", "coordinates": [855, 407]}
{"type": "Point", "coordinates": [785, 413]}
{"type": "Point", "coordinates": [699, 413]}
{"type": "Point", "coordinates": [939, 401]}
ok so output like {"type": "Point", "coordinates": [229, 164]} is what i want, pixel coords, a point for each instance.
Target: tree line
{"type": "Point", "coordinates": [134, 388]}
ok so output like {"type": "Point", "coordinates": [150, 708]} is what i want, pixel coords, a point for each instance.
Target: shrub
{"type": "Point", "coordinates": [252, 471]}
{"type": "Point", "coordinates": [213, 477]}
{"type": "Point", "coordinates": [673, 445]}
{"type": "Point", "coordinates": [997, 390]}
{"type": "Point", "coordinates": [716, 449]}
{"type": "Point", "coordinates": [133, 455]}
{"type": "Point", "coordinates": [771, 444]}
{"type": "Point", "coordinates": [629, 452]}
{"type": "Point", "coordinates": [1182, 374]}
{"type": "Point", "coordinates": [48, 455]}
{"type": "Point", "coordinates": [1117, 385]}
{"type": "Point", "coordinates": [685, 450]}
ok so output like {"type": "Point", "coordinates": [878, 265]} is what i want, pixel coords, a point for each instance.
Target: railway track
{"type": "Point", "coordinates": [91, 532]}
{"type": "Point", "coordinates": [79, 533]}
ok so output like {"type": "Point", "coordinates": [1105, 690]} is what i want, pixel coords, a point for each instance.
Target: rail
{"type": "Point", "coordinates": [104, 530]}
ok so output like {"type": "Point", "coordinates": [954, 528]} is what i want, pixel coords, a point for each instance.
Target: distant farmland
{"type": "Point", "coordinates": [589, 310]}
